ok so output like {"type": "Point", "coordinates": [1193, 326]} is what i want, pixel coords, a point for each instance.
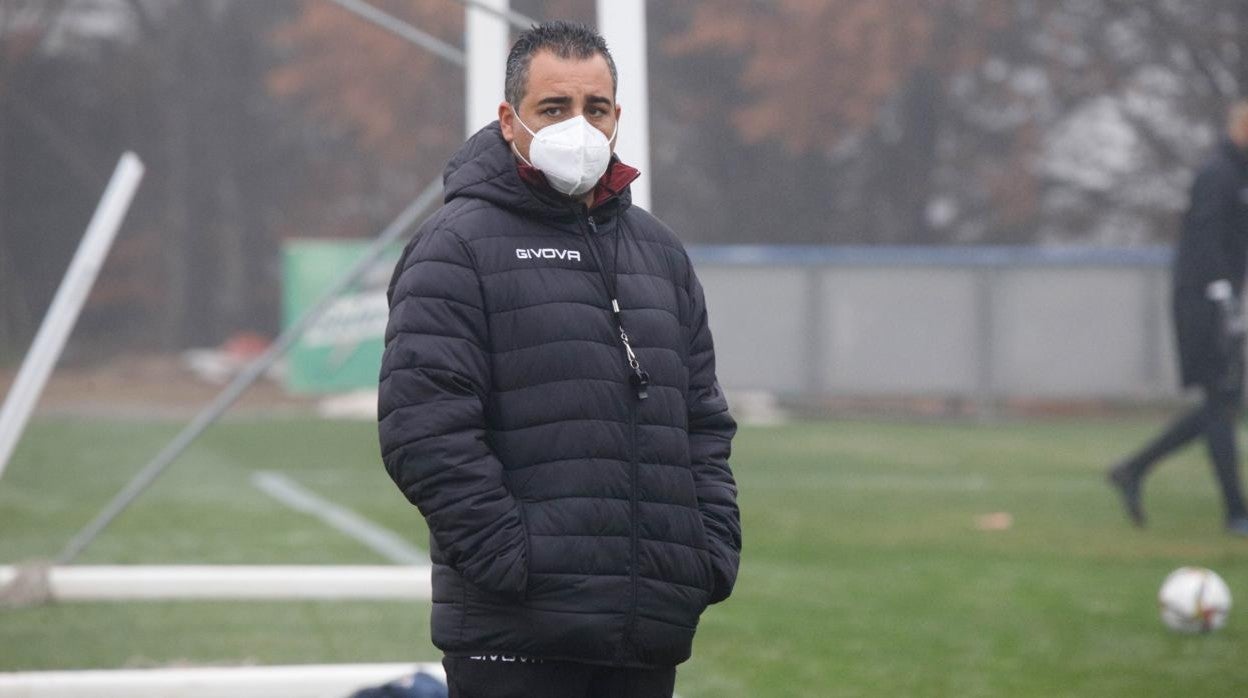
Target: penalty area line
{"type": "Point", "coordinates": [381, 540]}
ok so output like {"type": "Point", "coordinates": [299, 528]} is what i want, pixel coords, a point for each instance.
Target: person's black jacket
{"type": "Point", "coordinates": [1213, 245]}
{"type": "Point", "coordinates": [568, 518]}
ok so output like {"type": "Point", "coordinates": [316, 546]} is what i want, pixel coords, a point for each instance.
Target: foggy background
{"type": "Point", "coordinates": [952, 124]}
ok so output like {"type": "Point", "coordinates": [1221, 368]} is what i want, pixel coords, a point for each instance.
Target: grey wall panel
{"type": "Point", "coordinates": [1063, 332]}
{"type": "Point", "coordinates": [977, 323]}
{"type": "Point", "coordinates": [760, 319]}
{"type": "Point", "coordinates": [1159, 339]}
{"type": "Point", "coordinates": [898, 331]}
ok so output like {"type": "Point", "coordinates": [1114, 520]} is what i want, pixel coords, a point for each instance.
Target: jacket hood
{"type": "Point", "coordinates": [485, 168]}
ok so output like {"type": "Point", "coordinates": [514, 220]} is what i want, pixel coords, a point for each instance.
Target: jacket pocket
{"type": "Point", "coordinates": [703, 549]}
{"type": "Point", "coordinates": [503, 573]}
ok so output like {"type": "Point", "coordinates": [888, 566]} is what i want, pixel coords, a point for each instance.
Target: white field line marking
{"type": "Point", "coordinates": [854, 482]}
{"type": "Point", "coordinates": [933, 483]}
{"type": "Point", "coordinates": [385, 542]}
{"type": "Point", "coordinates": [914, 482]}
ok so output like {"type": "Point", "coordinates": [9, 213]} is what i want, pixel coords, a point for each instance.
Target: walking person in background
{"type": "Point", "coordinates": [548, 401]}
{"type": "Point", "coordinates": [1209, 267]}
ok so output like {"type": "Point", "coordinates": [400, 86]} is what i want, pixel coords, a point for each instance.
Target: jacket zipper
{"type": "Point", "coordinates": [640, 381]}
{"type": "Point", "coordinates": [631, 625]}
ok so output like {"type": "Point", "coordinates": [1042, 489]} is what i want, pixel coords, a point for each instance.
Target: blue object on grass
{"type": "Point", "coordinates": [418, 685]}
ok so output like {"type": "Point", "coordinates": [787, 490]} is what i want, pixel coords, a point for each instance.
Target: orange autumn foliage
{"type": "Point", "coordinates": [396, 98]}
{"type": "Point", "coordinates": [813, 70]}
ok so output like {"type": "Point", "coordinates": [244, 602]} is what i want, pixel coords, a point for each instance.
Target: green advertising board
{"type": "Point", "coordinates": [341, 351]}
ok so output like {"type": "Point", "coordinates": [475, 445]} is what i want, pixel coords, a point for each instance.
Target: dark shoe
{"type": "Point", "coordinates": [1238, 526]}
{"type": "Point", "coordinates": [1129, 488]}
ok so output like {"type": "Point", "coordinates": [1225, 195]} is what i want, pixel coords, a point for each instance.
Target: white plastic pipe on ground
{"type": "Point", "coordinates": [381, 540]}
{"type": "Point", "coordinates": [310, 681]}
{"type": "Point", "coordinates": [237, 582]}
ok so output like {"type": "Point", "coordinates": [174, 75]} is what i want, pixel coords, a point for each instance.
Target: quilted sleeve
{"type": "Point", "coordinates": [435, 373]}
{"type": "Point", "coordinates": [711, 429]}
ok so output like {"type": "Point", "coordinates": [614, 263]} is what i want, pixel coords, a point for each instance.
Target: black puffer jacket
{"type": "Point", "coordinates": [1214, 245]}
{"type": "Point", "coordinates": [569, 519]}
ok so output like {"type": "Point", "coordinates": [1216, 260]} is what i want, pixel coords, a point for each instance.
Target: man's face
{"type": "Point", "coordinates": [559, 89]}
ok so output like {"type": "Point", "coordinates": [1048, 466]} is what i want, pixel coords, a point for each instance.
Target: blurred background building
{"type": "Point", "coordinates": [989, 132]}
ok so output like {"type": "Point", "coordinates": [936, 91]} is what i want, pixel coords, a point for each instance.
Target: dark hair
{"type": "Point", "coordinates": [565, 40]}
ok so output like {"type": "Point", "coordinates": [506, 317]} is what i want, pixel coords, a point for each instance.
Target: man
{"type": "Point", "coordinates": [1208, 282]}
{"type": "Point", "coordinates": [548, 401]}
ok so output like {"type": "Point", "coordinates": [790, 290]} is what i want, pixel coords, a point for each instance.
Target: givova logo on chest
{"type": "Point", "coordinates": [547, 253]}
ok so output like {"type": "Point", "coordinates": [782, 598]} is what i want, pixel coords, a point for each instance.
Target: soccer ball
{"type": "Point", "coordinates": [1194, 600]}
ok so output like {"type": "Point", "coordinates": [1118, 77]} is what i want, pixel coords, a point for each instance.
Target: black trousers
{"type": "Point", "coordinates": [503, 676]}
{"type": "Point", "coordinates": [1214, 419]}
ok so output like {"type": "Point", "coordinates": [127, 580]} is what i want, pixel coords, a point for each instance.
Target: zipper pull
{"type": "Point", "coordinates": [592, 225]}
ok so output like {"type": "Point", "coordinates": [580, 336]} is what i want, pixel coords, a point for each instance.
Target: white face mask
{"type": "Point", "coordinates": [572, 154]}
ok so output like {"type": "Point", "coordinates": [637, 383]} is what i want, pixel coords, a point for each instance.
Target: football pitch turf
{"type": "Point", "coordinates": [869, 566]}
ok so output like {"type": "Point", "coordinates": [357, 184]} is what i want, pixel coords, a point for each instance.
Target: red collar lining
{"type": "Point", "coordinates": [613, 181]}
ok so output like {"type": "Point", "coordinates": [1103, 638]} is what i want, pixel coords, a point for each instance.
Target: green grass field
{"type": "Point", "coordinates": [864, 572]}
